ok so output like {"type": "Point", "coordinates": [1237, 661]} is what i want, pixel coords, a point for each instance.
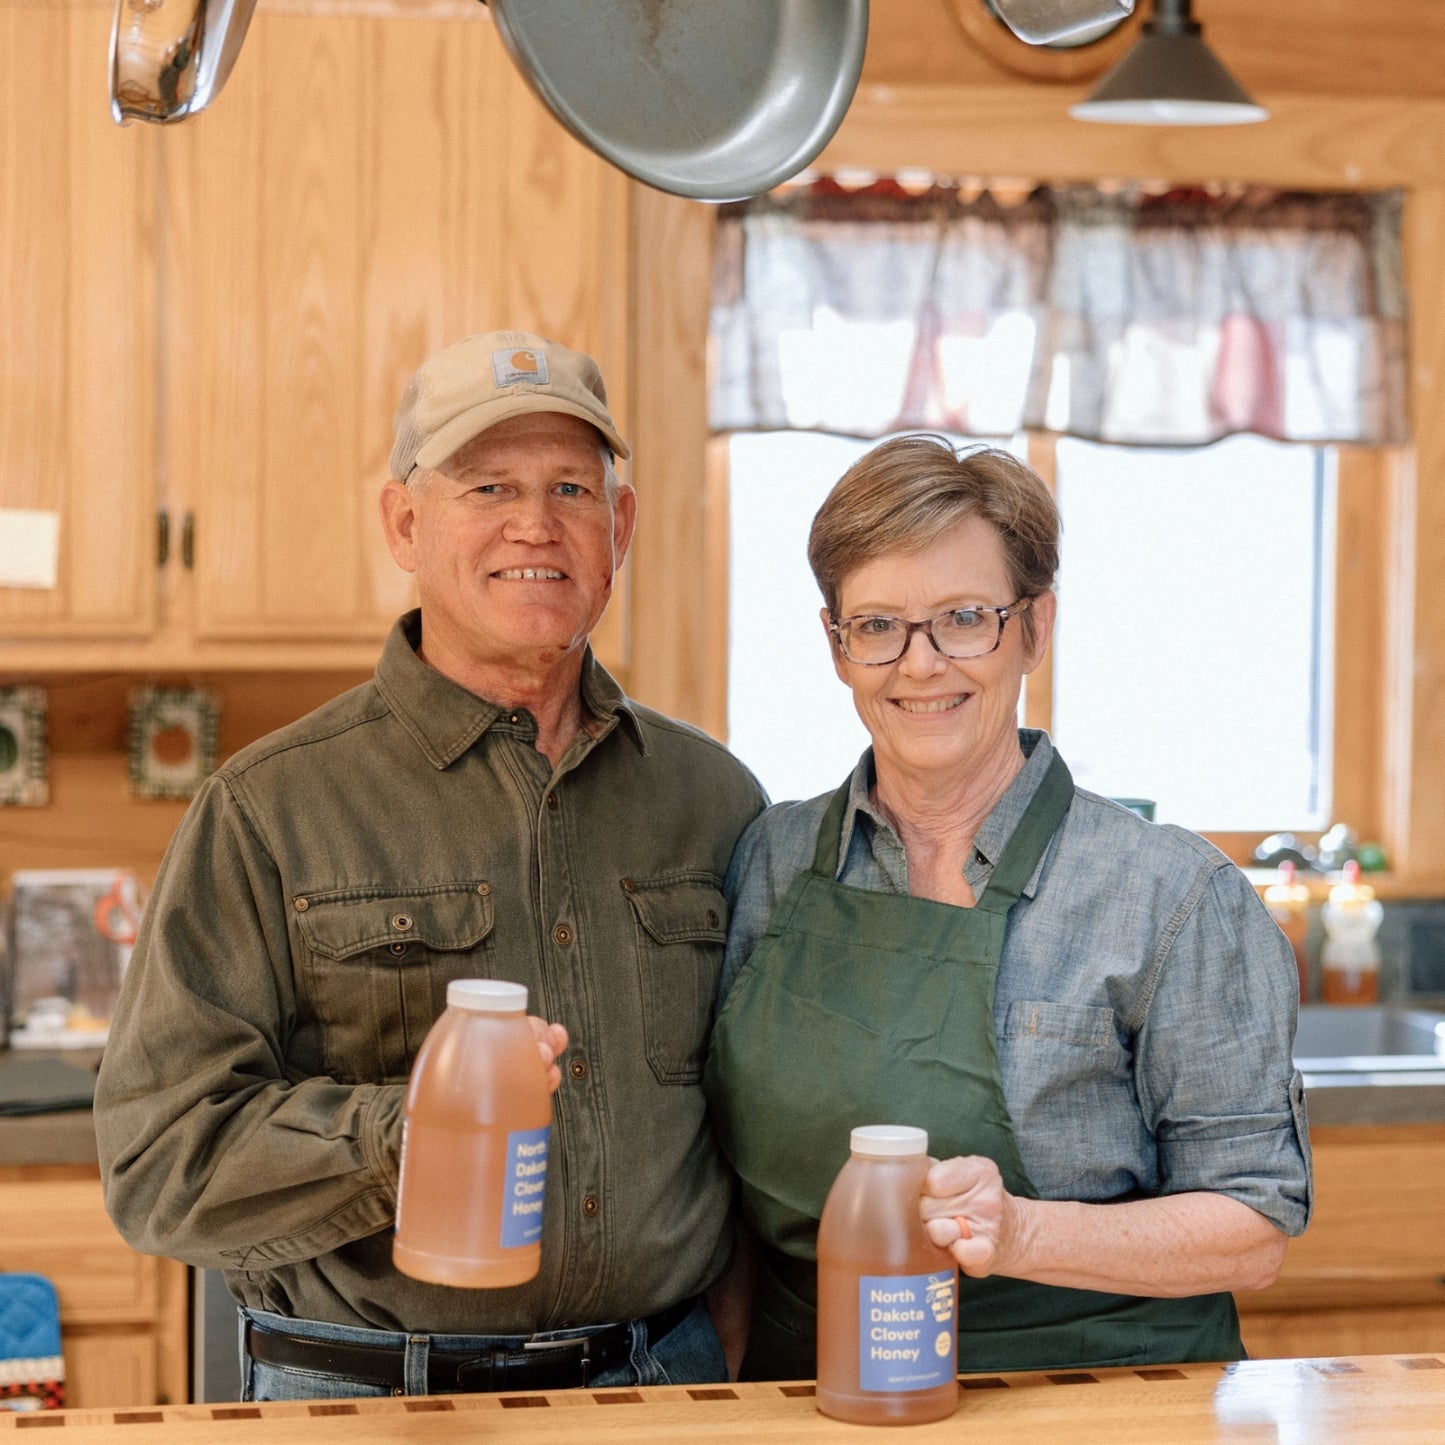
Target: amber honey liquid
{"type": "Point", "coordinates": [474, 1154]}
{"type": "Point", "coordinates": [1342, 984]}
{"type": "Point", "coordinates": [887, 1300]}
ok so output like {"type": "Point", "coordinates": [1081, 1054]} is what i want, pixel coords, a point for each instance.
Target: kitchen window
{"type": "Point", "coordinates": [1221, 476]}
{"type": "Point", "coordinates": [1192, 663]}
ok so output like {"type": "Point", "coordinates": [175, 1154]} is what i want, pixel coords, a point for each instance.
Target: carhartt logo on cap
{"type": "Point", "coordinates": [511, 366]}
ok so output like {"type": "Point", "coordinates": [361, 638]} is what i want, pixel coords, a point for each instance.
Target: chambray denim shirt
{"type": "Point", "coordinates": [1146, 1002]}
{"type": "Point", "coordinates": [324, 887]}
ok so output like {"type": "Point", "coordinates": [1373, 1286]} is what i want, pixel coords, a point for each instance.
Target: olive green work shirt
{"type": "Point", "coordinates": [323, 889]}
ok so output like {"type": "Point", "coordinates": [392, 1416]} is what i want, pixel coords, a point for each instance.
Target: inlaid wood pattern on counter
{"type": "Point", "coordinates": [1383, 1400]}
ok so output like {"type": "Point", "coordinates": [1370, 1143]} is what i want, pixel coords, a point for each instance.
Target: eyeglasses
{"type": "Point", "coordinates": [962, 632]}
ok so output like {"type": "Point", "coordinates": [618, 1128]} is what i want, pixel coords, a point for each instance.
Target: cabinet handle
{"type": "Point", "coordinates": [188, 541]}
{"type": "Point", "coordinates": [163, 538]}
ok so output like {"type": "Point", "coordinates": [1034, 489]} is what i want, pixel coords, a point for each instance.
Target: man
{"type": "Point", "coordinates": [489, 805]}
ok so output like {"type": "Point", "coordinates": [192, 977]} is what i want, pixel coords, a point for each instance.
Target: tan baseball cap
{"type": "Point", "coordinates": [460, 391]}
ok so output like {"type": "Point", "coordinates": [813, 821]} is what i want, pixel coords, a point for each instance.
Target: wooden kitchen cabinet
{"type": "Point", "coordinates": [124, 1316]}
{"type": "Point", "coordinates": [208, 326]}
{"type": "Point", "coordinates": [77, 330]}
{"type": "Point", "coordinates": [1368, 1275]}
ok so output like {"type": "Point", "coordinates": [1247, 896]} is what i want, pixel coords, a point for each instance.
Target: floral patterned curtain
{"type": "Point", "coordinates": [1126, 317]}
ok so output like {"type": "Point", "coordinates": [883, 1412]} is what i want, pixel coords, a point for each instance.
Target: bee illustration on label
{"type": "Point", "coordinates": [940, 1297]}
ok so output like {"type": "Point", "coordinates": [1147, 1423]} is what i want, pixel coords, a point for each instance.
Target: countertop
{"type": "Point", "coordinates": [66, 1136]}
{"type": "Point", "coordinates": [1369, 1399]}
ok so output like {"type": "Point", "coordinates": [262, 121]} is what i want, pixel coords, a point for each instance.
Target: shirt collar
{"type": "Point", "coordinates": [997, 828]}
{"type": "Point", "coordinates": [445, 718]}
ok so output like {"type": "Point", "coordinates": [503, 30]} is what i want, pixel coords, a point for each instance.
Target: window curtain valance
{"type": "Point", "coordinates": [1126, 317]}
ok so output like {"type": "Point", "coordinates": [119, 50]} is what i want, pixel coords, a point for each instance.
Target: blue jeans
{"type": "Point", "coordinates": [689, 1354]}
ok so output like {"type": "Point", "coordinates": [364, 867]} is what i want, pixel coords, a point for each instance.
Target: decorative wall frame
{"type": "Point", "coordinates": [172, 748]}
{"type": "Point", "coordinates": [24, 776]}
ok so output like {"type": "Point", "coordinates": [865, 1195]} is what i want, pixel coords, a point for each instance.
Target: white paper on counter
{"type": "Point", "coordinates": [29, 547]}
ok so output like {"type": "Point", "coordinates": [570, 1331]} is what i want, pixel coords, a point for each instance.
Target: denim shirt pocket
{"type": "Point", "coordinates": [681, 926]}
{"type": "Point", "coordinates": [1067, 1077]}
{"type": "Point", "coordinates": [377, 966]}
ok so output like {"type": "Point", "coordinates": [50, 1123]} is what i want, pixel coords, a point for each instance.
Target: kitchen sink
{"type": "Point", "coordinates": [1374, 1039]}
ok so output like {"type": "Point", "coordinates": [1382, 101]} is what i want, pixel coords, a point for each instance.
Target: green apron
{"type": "Point", "coordinates": [859, 1007]}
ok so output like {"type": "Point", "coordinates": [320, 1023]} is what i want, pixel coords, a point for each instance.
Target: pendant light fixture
{"type": "Point", "coordinates": [1170, 77]}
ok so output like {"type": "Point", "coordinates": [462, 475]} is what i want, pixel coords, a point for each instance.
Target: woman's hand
{"type": "Point", "coordinates": [552, 1042]}
{"type": "Point", "coordinates": [967, 1211]}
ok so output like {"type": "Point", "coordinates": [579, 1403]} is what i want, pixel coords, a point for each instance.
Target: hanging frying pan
{"type": "Point", "coordinates": [1046, 22]}
{"type": "Point", "coordinates": [716, 100]}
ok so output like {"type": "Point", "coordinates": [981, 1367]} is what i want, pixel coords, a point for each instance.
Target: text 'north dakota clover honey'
{"type": "Point", "coordinates": [474, 1144]}
{"type": "Point", "coordinates": [887, 1295]}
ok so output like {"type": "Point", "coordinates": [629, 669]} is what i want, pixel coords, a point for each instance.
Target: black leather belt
{"type": "Point", "coordinates": [530, 1365]}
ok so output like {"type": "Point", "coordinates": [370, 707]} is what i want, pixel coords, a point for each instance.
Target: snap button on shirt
{"type": "Point", "coordinates": [562, 934]}
{"type": "Point", "coordinates": [591, 1206]}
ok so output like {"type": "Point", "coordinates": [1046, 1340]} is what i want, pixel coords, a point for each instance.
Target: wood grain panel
{"type": "Point", "coordinates": [301, 565]}
{"type": "Point", "coordinates": [1417, 780]}
{"type": "Point", "coordinates": [213, 361]}
{"type": "Point", "coordinates": [671, 283]}
{"type": "Point", "coordinates": [1307, 46]}
{"type": "Point", "coordinates": [60, 1229]}
{"type": "Point", "coordinates": [1364, 518]}
{"type": "Point", "coordinates": [1293, 1334]}
{"type": "Point", "coordinates": [106, 1368]}
{"type": "Point", "coordinates": [1369, 1399]}
{"type": "Point", "coordinates": [1376, 1224]}
{"type": "Point", "coordinates": [109, 338]}
{"type": "Point", "coordinates": [76, 318]}
{"type": "Point", "coordinates": [1025, 131]}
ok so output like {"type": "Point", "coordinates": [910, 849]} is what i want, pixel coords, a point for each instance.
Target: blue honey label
{"type": "Point", "coordinates": [907, 1331]}
{"type": "Point", "coordinates": [524, 1187]}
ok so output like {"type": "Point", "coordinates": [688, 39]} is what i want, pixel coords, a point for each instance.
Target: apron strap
{"type": "Point", "coordinates": [830, 835]}
{"type": "Point", "coordinates": [1030, 838]}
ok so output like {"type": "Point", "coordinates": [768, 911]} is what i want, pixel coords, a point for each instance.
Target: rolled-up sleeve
{"type": "Point", "coordinates": [1213, 1060]}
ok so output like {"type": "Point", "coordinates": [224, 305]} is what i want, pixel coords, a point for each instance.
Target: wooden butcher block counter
{"type": "Point", "coordinates": [1369, 1399]}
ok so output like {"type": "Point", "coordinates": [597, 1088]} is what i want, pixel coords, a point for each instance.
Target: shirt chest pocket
{"type": "Point", "coordinates": [681, 926]}
{"type": "Point", "coordinates": [377, 965]}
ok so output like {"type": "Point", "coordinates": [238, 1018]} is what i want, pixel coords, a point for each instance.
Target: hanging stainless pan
{"type": "Point", "coordinates": [716, 100]}
{"type": "Point", "coordinates": [170, 58]}
{"type": "Point", "coordinates": [1047, 22]}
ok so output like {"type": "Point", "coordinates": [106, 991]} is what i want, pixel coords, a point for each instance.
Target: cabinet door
{"type": "Point", "coordinates": [1368, 1274]}
{"type": "Point", "coordinates": [105, 1370]}
{"type": "Point", "coordinates": [123, 1315]}
{"type": "Point", "coordinates": [77, 325]}
{"type": "Point", "coordinates": [363, 191]}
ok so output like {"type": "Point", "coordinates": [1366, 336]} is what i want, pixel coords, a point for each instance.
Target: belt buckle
{"type": "Point", "coordinates": [582, 1343]}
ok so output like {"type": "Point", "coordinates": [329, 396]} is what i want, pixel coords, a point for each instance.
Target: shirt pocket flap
{"type": "Point", "coordinates": [1063, 1022]}
{"type": "Point", "coordinates": [342, 926]}
{"type": "Point", "coordinates": [679, 910]}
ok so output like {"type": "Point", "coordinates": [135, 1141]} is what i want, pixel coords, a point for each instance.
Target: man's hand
{"type": "Point", "coordinates": [552, 1042]}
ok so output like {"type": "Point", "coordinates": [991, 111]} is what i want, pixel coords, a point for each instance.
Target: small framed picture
{"type": "Point", "coordinates": [172, 740]}
{"type": "Point", "coordinates": [23, 774]}
{"type": "Point", "coordinates": [71, 933]}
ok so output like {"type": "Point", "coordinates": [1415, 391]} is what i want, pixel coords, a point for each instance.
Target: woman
{"type": "Point", "coordinates": [1091, 1015]}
